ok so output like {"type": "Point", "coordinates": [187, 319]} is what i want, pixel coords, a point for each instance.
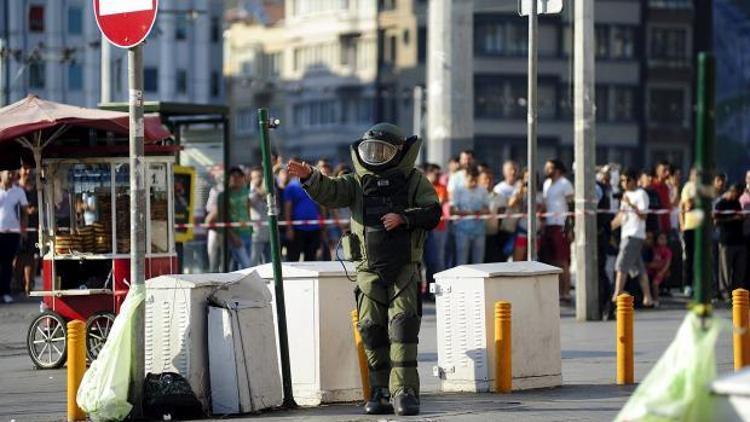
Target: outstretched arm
{"type": "Point", "coordinates": [331, 192]}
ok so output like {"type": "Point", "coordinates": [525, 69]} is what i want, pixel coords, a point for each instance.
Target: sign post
{"type": "Point", "coordinates": [126, 23]}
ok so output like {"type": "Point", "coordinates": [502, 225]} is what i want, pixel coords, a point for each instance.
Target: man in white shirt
{"type": "Point", "coordinates": [554, 246]}
{"type": "Point", "coordinates": [466, 161]}
{"type": "Point", "coordinates": [505, 191]}
{"type": "Point", "coordinates": [13, 219]}
{"type": "Point", "coordinates": [632, 220]}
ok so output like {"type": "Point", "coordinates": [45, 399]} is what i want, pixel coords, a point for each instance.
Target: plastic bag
{"type": "Point", "coordinates": [103, 393]}
{"type": "Point", "coordinates": [677, 388]}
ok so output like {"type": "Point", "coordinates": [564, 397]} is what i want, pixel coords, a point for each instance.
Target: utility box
{"type": "Point", "coordinates": [465, 297]}
{"type": "Point", "coordinates": [176, 336]}
{"type": "Point", "coordinates": [243, 359]}
{"type": "Point", "coordinates": [732, 396]}
{"type": "Point", "coordinates": [323, 358]}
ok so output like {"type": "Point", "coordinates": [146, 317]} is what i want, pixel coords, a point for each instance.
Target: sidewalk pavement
{"type": "Point", "coordinates": [588, 392]}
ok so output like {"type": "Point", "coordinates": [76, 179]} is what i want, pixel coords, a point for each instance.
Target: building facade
{"type": "Point", "coordinates": [53, 49]}
{"type": "Point", "coordinates": [327, 88]}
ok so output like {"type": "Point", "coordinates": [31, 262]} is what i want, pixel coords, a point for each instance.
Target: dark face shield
{"type": "Point", "coordinates": [374, 152]}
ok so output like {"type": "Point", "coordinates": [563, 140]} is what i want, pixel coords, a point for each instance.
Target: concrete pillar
{"type": "Point", "coordinates": [168, 47]}
{"type": "Point", "coordinates": [91, 59]}
{"type": "Point", "coordinates": [202, 63]}
{"type": "Point", "coordinates": [56, 71]}
{"type": "Point", "coordinates": [450, 78]}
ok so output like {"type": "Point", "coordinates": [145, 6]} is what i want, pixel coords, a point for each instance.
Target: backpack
{"type": "Point", "coordinates": [170, 394]}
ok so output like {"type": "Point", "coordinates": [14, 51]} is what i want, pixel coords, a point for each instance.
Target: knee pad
{"type": "Point", "coordinates": [404, 328]}
{"type": "Point", "coordinates": [373, 336]}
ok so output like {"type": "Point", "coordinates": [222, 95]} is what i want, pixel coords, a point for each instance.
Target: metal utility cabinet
{"type": "Point", "coordinates": [323, 358]}
{"type": "Point", "coordinates": [465, 298]}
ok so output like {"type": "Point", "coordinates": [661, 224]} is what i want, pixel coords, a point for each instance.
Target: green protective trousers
{"type": "Point", "coordinates": [389, 319]}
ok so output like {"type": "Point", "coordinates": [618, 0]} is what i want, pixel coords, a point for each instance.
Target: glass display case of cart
{"type": "Point", "coordinates": [88, 210]}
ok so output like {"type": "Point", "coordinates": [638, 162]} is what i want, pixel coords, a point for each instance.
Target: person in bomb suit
{"type": "Point", "coordinates": [393, 207]}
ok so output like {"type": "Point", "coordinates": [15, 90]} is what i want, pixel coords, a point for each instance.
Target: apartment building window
{"type": "Point", "coordinates": [151, 79]}
{"type": "Point", "coordinates": [274, 65]}
{"type": "Point", "coordinates": [668, 43]}
{"type": "Point", "coordinates": [387, 4]}
{"type": "Point", "coordinates": [37, 74]}
{"type": "Point", "coordinates": [315, 56]}
{"type": "Point", "coordinates": [314, 113]}
{"type": "Point", "coordinates": [36, 18]}
{"type": "Point", "coordinates": [601, 33]}
{"type": "Point", "coordinates": [671, 4]}
{"type": "Point", "coordinates": [496, 36]}
{"type": "Point", "coordinates": [391, 50]}
{"type": "Point", "coordinates": [623, 42]}
{"type": "Point", "coordinates": [615, 42]}
{"type": "Point", "coordinates": [602, 103]}
{"type": "Point", "coordinates": [181, 81]}
{"type": "Point", "coordinates": [75, 20]}
{"type": "Point", "coordinates": [181, 26]}
{"type": "Point", "coordinates": [75, 77]}
{"type": "Point", "coordinates": [348, 51]}
{"type": "Point", "coordinates": [244, 120]}
{"type": "Point", "coordinates": [667, 106]}
{"type": "Point", "coordinates": [624, 103]}
{"type": "Point", "coordinates": [422, 44]}
{"type": "Point", "coordinates": [303, 7]}
{"type": "Point", "coordinates": [504, 97]}
{"type": "Point", "coordinates": [215, 29]}
{"type": "Point", "coordinates": [215, 84]}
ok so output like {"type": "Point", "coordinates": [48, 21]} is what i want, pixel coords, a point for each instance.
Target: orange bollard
{"type": "Point", "coordinates": [364, 372]}
{"type": "Point", "coordinates": [625, 368]}
{"type": "Point", "coordinates": [741, 322]}
{"type": "Point", "coordinates": [503, 350]}
{"type": "Point", "coordinates": [76, 367]}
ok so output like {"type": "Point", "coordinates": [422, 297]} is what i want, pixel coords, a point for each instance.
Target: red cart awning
{"type": "Point", "coordinates": [33, 114]}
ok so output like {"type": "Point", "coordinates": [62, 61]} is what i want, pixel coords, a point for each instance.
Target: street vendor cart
{"type": "Point", "coordinates": [82, 179]}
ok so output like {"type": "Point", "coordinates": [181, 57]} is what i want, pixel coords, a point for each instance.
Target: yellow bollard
{"type": "Point", "coordinates": [364, 372]}
{"type": "Point", "coordinates": [625, 369]}
{"type": "Point", "coordinates": [503, 362]}
{"type": "Point", "coordinates": [741, 320]}
{"type": "Point", "coordinates": [76, 367]}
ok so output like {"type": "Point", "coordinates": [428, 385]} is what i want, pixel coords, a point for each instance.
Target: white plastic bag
{"type": "Point", "coordinates": [103, 393]}
{"type": "Point", "coordinates": [677, 388]}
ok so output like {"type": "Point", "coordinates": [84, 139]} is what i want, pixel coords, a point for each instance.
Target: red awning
{"type": "Point", "coordinates": [33, 114]}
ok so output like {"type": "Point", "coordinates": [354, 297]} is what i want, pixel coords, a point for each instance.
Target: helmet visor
{"type": "Point", "coordinates": [375, 152]}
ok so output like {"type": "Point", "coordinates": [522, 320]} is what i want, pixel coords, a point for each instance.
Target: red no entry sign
{"type": "Point", "coordinates": [125, 23]}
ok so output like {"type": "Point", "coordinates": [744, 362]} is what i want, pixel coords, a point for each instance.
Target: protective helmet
{"type": "Point", "coordinates": [380, 144]}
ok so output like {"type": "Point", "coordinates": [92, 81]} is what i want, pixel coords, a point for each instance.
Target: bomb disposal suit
{"type": "Point", "coordinates": [387, 261]}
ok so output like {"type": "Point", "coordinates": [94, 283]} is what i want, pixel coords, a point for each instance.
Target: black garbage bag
{"type": "Point", "coordinates": [169, 394]}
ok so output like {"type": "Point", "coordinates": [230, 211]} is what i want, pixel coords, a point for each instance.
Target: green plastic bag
{"type": "Point", "coordinates": [103, 393]}
{"type": "Point", "coordinates": [677, 388]}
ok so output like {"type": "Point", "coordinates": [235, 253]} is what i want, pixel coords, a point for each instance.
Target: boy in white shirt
{"type": "Point", "coordinates": [632, 220]}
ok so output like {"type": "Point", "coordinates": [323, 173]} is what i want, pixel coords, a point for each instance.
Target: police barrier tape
{"type": "Point", "coordinates": [476, 216]}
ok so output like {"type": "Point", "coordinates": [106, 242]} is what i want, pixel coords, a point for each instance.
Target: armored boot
{"type": "Point", "coordinates": [379, 403]}
{"type": "Point", "coordinates": [406, 403]}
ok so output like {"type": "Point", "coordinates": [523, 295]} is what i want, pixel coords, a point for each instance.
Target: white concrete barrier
{"type": "Point", "coordinates": [323, 358]}
{"type": "Point", "coordinates": [465, 298]}
{"type": "Point", "coordinates": [732, 396]}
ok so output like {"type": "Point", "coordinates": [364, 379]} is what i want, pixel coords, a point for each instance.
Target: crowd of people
{"type": "Point", "coordinates": [646, 223]}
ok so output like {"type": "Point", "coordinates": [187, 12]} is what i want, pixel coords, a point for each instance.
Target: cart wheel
{"type": "Point", "coordinates": [98, 327]}
{"type": "Point", "coordinates": [47, 341]}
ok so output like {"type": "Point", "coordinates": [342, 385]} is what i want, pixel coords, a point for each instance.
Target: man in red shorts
{"type": "Point", "coordinates": [554, 246]}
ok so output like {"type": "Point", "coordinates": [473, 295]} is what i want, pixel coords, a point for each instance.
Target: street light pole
{"type": "Point", "coordinates": [531, 131]}
{"type": "Point", "coordinates": [137, 220]}
{"type": "Point", "coordinates": [587, 285]}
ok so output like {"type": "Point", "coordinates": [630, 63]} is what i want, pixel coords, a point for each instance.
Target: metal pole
{"type": "Point", "coordinates": [225, 198]}
{"type": "Point", "coordinates": [105, 96]}
{"type": "Point", "coordinates": [531, 121]}
{"type": "Point", "coordinates": [418, 95]}
{"type": "Point", "coordinates": [587, 291]}
{"type": "Point", "coordinates": [704, 135]}
{"type": "Point", "coordinates": [264, 123]}
{"type": "Point", "coordinates": [137, 219]}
